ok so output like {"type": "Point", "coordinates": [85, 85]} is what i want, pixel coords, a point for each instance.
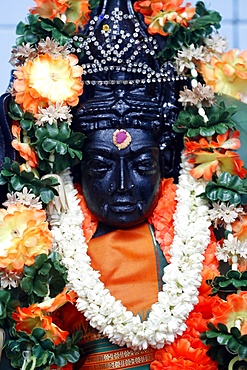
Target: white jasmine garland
{"type": "Point", "coordinates": [182, 277]}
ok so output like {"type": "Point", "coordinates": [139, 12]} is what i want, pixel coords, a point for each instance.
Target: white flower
{"type": "Point", "coordinates": [25, 197]}
{"type": "Point", "coordinates": [54, 114]}
{"type": "Point", "coordinates": [10, 280]}
{"type": "Point", "coordinates": [216, 44]}
{"type": "Point", "coordinates": [232, 246]}
{"type": "Point", "coordinates": [187, 56]}
{"type": "Point", "coordinates": [223, 214]}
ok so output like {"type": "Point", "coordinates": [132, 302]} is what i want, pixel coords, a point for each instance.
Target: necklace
{"type": "Point", "coordinates": [182, 277]}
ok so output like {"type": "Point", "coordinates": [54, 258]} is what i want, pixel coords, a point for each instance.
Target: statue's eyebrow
{"type": "Point", "coordinates": [100, 151]}
{"type": "Point", "coordinates": [108, 152]}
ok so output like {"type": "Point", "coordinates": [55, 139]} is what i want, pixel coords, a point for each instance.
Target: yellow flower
{"type": "Point", "coordinates": [24, 234]}
{"type": "Point", "coordinates": [45, 80]}
{"type": "Point", "coordinates": [227, 74]}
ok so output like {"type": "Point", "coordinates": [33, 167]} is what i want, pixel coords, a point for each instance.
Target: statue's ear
{"type": "Point", "coordinates": [171, 145]}
{"type": "Point", "coordinates": [6, 150]}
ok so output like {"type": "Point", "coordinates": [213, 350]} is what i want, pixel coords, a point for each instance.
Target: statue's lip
{"type": "Point", "coordinates": [123, 206]}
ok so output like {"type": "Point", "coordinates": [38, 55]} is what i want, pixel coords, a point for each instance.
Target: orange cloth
{"type": "Point", "coordinates": [127, 263]}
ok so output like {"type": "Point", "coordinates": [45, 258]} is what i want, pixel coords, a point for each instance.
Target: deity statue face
{"type": "Point", "coordinates": [121, 186]}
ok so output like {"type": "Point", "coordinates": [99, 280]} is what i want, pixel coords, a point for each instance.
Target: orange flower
{"type": "Point", "coordinates": [162, 217]}
{"type": "Point", "coordinates": [228, 140]}
{"type": "Point", "coordinates": [45, 81]}
{"type": "Point", "coordinates": [49, 8]}
{"type": "Point", "coordinates": [239, 228]}
{"type": "Point", "coordinates": [24, 234]}
{"type": "Point", "coordinates": [165, 11]}
{"type": "Point", "coordinates": [52, 304]}
{"type": "Point", "coordinates": [34, 317]}
{"type": "Point", "coordinates": [24, 149]}
{"type": "Point", "coordinates": [76, 11]}
{"type": "Point", "coordinates": [232, 312]}
{"type": "Point", "coordinates": [90, 223]}
{"type": "Point", "coordinates": [207, 163]}
{"type": "Point", "coordinates": [185, 353]}
{"type": "Point", "coordinates": [227, 74]}
{"type": "Point", "coordinates": [149, 7]}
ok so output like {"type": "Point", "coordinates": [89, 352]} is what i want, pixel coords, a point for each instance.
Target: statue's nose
{"type": "Point", "coordinates": [124, 181]}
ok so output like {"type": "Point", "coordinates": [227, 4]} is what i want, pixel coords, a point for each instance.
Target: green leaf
{"type": "Point", "coordinates": [73, 355]}
{"type": "Point", "coordinates": [60, 360]}
{"type": "Point", "coordinates": [233, 274]}
{"type": "Point", "coordinates": [17, 182]}
{"type": "Point", "coordinates": [30, 37]}
{"type": "Point", "coordinates": [30, 270]}
{"type": "Point", "coordinates": [20, 28]}
{"type": "Point", "coordinates": [212, 334]}
{"type": "Point", "coordinates": [233, 344]}
{"type": "Point", "coordinates": [61, 148]}
{"type": "Point", "coordinates": [223, 328]}
{"type": "Point", "coordinates": [40, 260]}
{"type": "Point", "coordinates": [49, 145]}
{"type": "Point", "coordinates": [52, 130]}
{"type": "Point", "coordinates": [223, 339]}
{"type": "Point", "coordinates": [46, 195]}
{"type": "Point", "coordinates": [40, 288]}
{"type": "Point", "coordinates": [26, 124]}
{"type": "Point", "coordinates": [242, 351]}
{"type": "Point", "coordinates": [27, 284]}
{"type": "Point", "coordinates": [58, 23]}
{"type": "Point", "coordinates": [207, 131]}
{"type": "Point", "coordinates": [64, 132]}
{"type": "Point", "coordinates": [38, 333]}
{"type": "Point", "coordinates": [235, 331]}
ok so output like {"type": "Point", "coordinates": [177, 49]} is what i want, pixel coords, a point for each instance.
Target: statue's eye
{"type": "Point", "coordinates": [146, 165]}
{"type": "Point", "coordinates": [98, 166]}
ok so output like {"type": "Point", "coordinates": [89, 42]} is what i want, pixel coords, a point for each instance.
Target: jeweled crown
{"type": "Point", "coordinates": [125, 86]}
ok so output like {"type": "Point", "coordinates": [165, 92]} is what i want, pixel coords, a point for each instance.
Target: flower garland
{"type": "Point", "coordinates": [41, 118]}
{"type": "Point", "coordinates": [182, 277]}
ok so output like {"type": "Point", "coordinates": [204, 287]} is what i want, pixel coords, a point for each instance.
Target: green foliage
{"type": "Point", "coordinates": [224, 344]}
{"type": "Point", "coordinates": [233, 280]}
{"type": "Point", "coordinates": [60, 141]}
{"type": "Point", "coordinates": [47, 276]}
{"type": "Point", "coordinates": [5, 306]}
{"type": "Point", "coordinates": [68, 351]}
{"type": "Point", "coordinates": [192, 124]}
{"type": "Point", "coordinates": [17, 180]}
{"type": "Point", "coordinates": [93, 4]}
{"type": "Point", "coordinates": [227, 188]}
{"type": "Point", "coordinates": [42, 350]}
{"type": "Point", "coordinates": [200, 27]}
{"type": "Point", "coordinates": [39, 28]}
{"type": "Point", "coordinates": [240, 120]}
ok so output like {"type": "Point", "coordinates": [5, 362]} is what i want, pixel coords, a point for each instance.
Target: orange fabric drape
{"type": "Point", "coordinates": [126, 260]}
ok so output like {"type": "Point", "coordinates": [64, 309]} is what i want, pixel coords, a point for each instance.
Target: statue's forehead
{"type": "Point", "coordinates": [136, 139]}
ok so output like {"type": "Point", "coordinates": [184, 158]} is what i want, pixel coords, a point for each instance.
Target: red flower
{"type": "Point", "coordinates": [185, 353]}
